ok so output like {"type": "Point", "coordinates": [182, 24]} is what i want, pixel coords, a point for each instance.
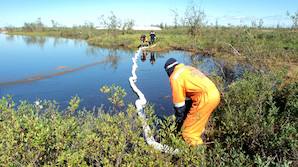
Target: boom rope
{"type": "Point", "coordinates": [140, 104]}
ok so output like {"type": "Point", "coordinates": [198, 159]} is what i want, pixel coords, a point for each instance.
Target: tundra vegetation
{"type": "Point", "coordinates": [255, 123]}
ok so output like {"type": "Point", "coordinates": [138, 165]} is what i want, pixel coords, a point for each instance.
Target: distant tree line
{"type": "Point", "coordinates": [193, 20]}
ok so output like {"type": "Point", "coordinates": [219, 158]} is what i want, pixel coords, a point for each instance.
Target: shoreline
{"type": "Point", "coordinates": [221, 50]}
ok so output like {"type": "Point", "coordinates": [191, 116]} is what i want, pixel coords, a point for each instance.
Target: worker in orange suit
{"type": "Point", "coordinates": [194, 96]}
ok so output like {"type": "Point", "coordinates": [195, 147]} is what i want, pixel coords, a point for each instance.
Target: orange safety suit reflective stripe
{"type": "Point", "coordinates": [189, 82]}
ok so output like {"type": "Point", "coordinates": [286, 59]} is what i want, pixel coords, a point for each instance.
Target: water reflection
{"type": "Point", "coordinates": [41, 41]}
{"type": "Point", "coordinates": [32, 40]}
{"type": "Point", "coordinates": [110, 56]}
{"type": "Point", "coordinates": [152, 58]}
{"type": "Point", "coordinates": [228, 71]}
{"type": "Point", "coordinates": [144, 56]}
{"type": "Point", "coordinates": [10, 38]}
{"type": "Point", "coordinates": [59, 41]}
{"type": "Point", "coordinates": [233, 71]}
{"type": "Point", "coordinates": [113, 54]}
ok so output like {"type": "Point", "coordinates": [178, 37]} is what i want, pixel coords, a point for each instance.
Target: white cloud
{"type": "Point", "coordinates": [232, 18]}
{"type": "Point", "coordinates": [247, 20]}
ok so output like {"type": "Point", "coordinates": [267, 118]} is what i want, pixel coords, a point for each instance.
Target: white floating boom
{"type": "Point", "coordinates": [140, 104]}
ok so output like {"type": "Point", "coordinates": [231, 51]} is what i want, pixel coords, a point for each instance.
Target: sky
{"type": "Point", "coordinates": [145, 13]}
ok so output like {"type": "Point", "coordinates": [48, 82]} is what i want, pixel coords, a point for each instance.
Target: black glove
{"type": "Point", "coordinates": [180, 116]}
{"type": "Point", "coordinates": [181, 113]}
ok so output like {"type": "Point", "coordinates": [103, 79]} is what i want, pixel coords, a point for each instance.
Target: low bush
{"type": "Point", "coordinates": [255, 124]}
{"type": "Point", "coordinates": [257, 120]}
{"type": "Point", "coordinates": [39, 135]}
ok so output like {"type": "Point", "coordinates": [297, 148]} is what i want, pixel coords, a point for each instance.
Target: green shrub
{"type": "Point", "coordinates": [258, 115]}
{"type": "Point", "coordinates": [38, 135]}
{"type": "Point", "coordinates": [255, 124]}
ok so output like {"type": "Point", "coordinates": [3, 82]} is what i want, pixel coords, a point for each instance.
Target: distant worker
{"type": "Point", "coordinates": [152, 37]}
{"type": "Point", "coordinates": [143, 39]}
{"type": "Point", "coordinates": [191, 86]}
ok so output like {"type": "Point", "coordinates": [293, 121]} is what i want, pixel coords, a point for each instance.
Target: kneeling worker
{"type": "Point", "coordinates": [188, 83]}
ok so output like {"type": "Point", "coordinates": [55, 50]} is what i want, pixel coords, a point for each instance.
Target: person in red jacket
{"type": "Point", "coordinates": [191, 86]}
{"type": "Point", "coordinates": [152, 37]}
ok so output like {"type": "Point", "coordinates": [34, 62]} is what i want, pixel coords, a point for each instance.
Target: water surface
{"type": "Point", "coordinates": [59, 68]}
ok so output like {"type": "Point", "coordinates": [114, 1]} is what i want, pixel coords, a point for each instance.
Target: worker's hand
{"type": "Point", "coordinates": [179, 113]}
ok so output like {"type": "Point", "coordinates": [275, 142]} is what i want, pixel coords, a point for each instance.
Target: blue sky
{"type": "Point", "coordinates": [145, 13]}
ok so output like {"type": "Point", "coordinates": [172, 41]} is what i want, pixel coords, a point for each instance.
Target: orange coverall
{"type": "Point", "coordinates": [189, 82]}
